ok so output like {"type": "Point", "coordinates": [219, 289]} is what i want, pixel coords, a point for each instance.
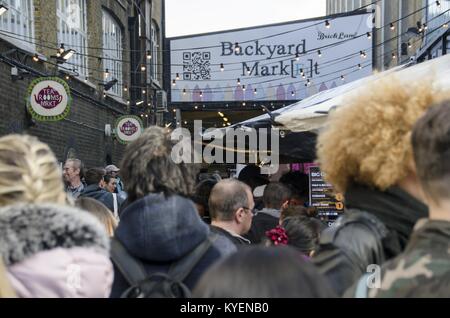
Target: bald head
{"type": "Point", "coordinates": [227, 196]}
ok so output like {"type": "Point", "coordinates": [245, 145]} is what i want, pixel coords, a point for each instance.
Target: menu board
{"type": "Point", "coordinates": [323, 197]}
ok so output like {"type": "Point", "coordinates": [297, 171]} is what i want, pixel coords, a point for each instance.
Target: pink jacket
{"type": "Point", "coordinates": [63, 273]}
{"type": "Point", "coordinates": [53, 251]}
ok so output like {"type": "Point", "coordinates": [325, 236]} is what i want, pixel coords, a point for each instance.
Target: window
{"type": "Point", "coordinates": [18, 21]}
{"type": "Point", "coordinates": [155, 51]}
{"type": "Point", "coordinates": [72, 32]}
{"type": "Point", "coordinates": [153, 45]}
{"type": "Point", "coordinates": [436, 17]}
{"type": "Point", "coordinates": [112, 52]}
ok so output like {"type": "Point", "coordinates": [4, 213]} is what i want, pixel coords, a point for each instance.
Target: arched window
{"type": "Point", "coordinates": [72, 32]}
{"type": "Point", "coordinates": [112, 52]}
{"type": "Point", "coordinates": [18, 20]}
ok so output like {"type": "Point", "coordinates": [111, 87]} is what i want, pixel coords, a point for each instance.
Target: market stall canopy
{"type": "Point", "coordinates": [311, 113]}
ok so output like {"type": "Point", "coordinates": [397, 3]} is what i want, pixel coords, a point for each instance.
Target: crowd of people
{"type": "Point", "coordinates": [154, 228]}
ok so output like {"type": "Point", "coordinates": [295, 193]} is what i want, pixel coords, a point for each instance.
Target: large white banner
{"type": "Point", "coordinates": [289, 61]}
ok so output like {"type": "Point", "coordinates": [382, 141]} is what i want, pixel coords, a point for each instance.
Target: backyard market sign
{"type": "Point", "coordinates": [49, 99]}
{"type": "Point", "coordinates": [128, 128]}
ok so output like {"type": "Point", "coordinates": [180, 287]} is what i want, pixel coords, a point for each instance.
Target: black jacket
{"type": "Point", "coordinates": [375, 228]}
{"type": "Point", "coordinates": [261, 223]}
{"type": "Point", "coordinates": [159, 231]}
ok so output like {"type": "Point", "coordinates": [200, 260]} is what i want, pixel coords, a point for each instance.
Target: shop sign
{"type": "Point", "coordinates": [49, 99]}
{"type": "Point", "coordinates": [128, 128]}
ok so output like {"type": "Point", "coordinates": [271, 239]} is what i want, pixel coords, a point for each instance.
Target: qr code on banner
{"type": "Point", "coordinates": [196, 66]}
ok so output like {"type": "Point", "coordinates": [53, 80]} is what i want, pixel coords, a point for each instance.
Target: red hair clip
{"type": "Point", "coordinates": [278, 236]}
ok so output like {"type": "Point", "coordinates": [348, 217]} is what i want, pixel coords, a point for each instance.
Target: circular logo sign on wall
{"type": "Point", "coordinates": [49, 99]}
{"type": "Point", "coordinates": [128, 128]}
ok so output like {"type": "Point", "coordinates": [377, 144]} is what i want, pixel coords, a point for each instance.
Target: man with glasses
{"type": "Point", "coordinates": [231, 207]}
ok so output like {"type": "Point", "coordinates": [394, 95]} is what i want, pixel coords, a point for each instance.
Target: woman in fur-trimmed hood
{"type": "Point", "coordinates": [54, 251]}
{"type": "Point", "coordinates": [366, 153]}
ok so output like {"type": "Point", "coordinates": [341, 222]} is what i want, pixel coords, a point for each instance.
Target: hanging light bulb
{"type": "Point", "coordinates": [369, 35]}
{"type": "Point", "coordinates": [445, 25]}
{"type": "Point", "coordinates": [425, 26]}
{"type": "Point", "coordinates": [308, 82]}
{"type": "Point", "coordinates": [106, 73]}
{"type": "Point", "coordinates": [201, 94]}
{"type": "Point", "coordinates": [174, 83]}
{"type": "Point", "coordinates": [297, 56]}
{"type": "Point", "coordinates": [243, 88]}
{"type": "Point", "coordinates": [394, 56]}
{"type": "Point", "coordinates": [125, 88]}
{"type": "Point", "coordinates": [438, 3]}
{"type": "Point", "coordinates": [67, 77]}
{"type": "Point", "coordinates": [143, 67]}
{"type": "Point", "coordinates": [319, 53]}
{"type": "Point", "coordinates": [196, 107]}
{"type": "Point", "coordinates": [221, 67]}
{"type": "Point", "coordinates": [292, 94]}
{"type": "Point", "coordinates": [243, 104]}
{"type": "Point", "coordinates": [359, 66]}
{"type": "Point", "coordinates": [248, 70]}
{"type": "Point", "coordinates": [61, 49]}
{"type": "Point", "coordinates": [144, 91]}
{"type": "Point", "coordinates": [149, 55]}
{"type": "Point", "coordinates": [343, 77]}
{"type": "Point", "coordinates": [177, 77]}
{"type": "Point", "coordinates": [409, 45]}
{"type": "Point", "coordinates": [184, 91]}
{"type": "Point", "coordinates": [36, 58]}
{"type": "Point", "coordinates": [327, 24]}
{"type": "Point", "coordinates": [239, 81]}
{"type": "Point", "coordinates": [255, 91]}
{"type": "Point", "coordinates": [237, 49]}
{"type": "Point", "coordinates": [392, 26]}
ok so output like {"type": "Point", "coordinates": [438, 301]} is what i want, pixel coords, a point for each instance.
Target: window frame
{"type": "Point", "coordinates": [80, 59]}
{"type": "Point", "coordinates": [113, 53]}
{"type": "Point", "coordinates": [18, 37]}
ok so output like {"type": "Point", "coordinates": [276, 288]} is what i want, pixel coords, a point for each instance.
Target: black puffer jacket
{"type": "Point", "coordinates": [375, 228]}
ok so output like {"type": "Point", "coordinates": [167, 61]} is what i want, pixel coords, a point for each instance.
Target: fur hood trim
{"type": "Point", "coordinates": [28, 229]}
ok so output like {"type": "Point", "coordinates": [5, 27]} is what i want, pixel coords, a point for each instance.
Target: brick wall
{"type": "Point", "coordinates": [81, 135]}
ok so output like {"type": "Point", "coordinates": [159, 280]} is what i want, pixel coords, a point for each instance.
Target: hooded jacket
{"type": "Point", "coordinates": [159, 231]}
{"type": "Point", "coordinates": [53, 251]}
{"type": "Point", "coordinates": [95, 192]}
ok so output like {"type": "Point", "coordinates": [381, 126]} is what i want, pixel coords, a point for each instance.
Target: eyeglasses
{"type": "Point", "coordinates": [253, 211]}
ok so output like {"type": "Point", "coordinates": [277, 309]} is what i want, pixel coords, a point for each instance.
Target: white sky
{"type": "Point", "coordinates": [185, 17]}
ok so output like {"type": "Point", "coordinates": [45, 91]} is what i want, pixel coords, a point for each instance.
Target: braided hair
{"type": "Point", "coordinates": [29, 172]}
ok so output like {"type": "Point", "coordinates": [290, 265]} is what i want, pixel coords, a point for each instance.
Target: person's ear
{"type": "Point", "coordinates": [285, 204]}
{"type": "Point", "coordinates": [239, 215]}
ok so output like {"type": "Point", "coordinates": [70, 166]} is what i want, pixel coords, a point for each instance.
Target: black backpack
{"type": "Point", "coordinates": [157, 285]}
{"type": "Point", "coordinates": [342, 265]}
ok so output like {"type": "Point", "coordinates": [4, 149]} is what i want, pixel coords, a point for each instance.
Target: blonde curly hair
{"type": "Point", "coordinates": [29, 172]}
{"type": "Point", "coordinates": [368, 141]}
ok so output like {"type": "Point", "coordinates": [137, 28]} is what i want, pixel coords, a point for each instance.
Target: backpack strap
{"type": "Point", "coordinates": [130, 267]}
{"type": "Point", "coordinates": [180, 270]}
